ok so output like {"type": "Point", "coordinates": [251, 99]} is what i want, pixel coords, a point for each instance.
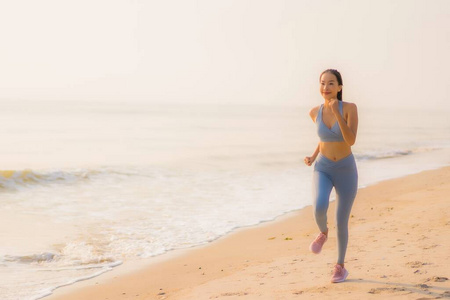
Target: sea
{"type": "Point", "coordinates": [87, 186]}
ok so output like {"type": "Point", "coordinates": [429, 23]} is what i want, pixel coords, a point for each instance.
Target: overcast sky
{"type": "Point", "coordinates": [258, 52]}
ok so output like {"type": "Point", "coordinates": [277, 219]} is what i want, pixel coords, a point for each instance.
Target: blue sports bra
{"type": "Point", "coordinates": [326, 134]}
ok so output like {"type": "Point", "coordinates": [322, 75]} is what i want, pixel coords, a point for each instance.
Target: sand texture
{"type": "Point", "coordinates": [399, 247]}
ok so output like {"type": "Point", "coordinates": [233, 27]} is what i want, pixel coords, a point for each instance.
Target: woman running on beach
{"type": "Point", "coordinates": [337, 124]}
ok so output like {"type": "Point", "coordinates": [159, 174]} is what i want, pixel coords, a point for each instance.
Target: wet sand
{"type": "Point", "coordinates": [399, 247]}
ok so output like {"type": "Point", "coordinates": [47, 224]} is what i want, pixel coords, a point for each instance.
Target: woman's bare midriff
{"type": "Point", "coordinates": [335, 150]}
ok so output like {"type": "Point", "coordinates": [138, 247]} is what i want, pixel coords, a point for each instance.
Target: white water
{"type": "Point", "coordinates": [86, 187]}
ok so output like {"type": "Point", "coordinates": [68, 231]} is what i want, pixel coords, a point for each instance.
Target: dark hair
{"type": "Point", "coordinates": [339, 79]}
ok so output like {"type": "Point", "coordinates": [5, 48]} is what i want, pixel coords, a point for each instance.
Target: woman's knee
{"type": "Point", "coordinates": [342, 228]}
{"type": "Point", "coordinates": [320, 208]}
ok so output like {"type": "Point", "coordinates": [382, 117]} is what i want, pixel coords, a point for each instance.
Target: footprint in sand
{"type": "Point", "coordinates": [422, 286]}
{"type": "Point", "coordinates": [430, 247]}
{"type": "Point", "coordinates": [415, 264]}
{"type": "Point", "coordinates": [437, 279]}
{"type": "Point", "coordinates": [386, 289]}
{"type": "Point", "coordinates": [234, 294]}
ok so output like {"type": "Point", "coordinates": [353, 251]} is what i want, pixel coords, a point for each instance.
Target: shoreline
{"type": "Point", "coordinates": [242, 262]}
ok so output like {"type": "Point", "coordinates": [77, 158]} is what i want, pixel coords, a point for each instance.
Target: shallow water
{"type": "Point", "coordinates": [88, 186]}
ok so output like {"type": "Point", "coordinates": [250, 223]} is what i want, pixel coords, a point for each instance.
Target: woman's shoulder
{"type": "Point", "coordinates": [313, 112]}
{"type": "Point", "coordinates": [350, 106]}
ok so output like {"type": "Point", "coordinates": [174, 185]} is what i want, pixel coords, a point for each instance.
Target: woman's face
{"type": "Point", "coordinates": [329, 86]}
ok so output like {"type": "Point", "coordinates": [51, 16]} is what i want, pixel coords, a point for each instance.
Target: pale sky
{"type": "Point", "coordinates": [258, 52]}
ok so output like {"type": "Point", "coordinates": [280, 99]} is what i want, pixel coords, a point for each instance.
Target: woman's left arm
{"type": "Point", "coordinates": [349, 128]}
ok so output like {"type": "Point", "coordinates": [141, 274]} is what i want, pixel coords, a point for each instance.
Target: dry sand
{"type": "Point", "coordinates": [399, 247]}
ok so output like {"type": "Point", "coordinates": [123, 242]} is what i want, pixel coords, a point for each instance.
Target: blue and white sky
{"type": "Point", "coordinates": [390, 52]}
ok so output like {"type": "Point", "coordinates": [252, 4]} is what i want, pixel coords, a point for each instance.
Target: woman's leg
{"type": "Point", "coordinates": [346, 185]}
{"type": "Point", "coordinates": [322, 190]}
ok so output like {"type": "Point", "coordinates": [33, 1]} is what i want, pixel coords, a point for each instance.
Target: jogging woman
{"type": "Point", "coordinates": [337, 124]}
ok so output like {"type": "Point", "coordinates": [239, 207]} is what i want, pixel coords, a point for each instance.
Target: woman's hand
{"type": "Point", "coordinates": [309, 160]}
{"type": "Point", "coordinates": [334, 105]}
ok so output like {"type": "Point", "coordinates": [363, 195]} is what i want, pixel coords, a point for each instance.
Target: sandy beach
{"type": "Point", "coordinates": [154, 149]}
{"type": "Point", "coordinates": [398, 248]}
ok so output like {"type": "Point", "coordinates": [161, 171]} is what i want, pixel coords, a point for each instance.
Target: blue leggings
{"type": "Point", "coordinates": [343, 175]}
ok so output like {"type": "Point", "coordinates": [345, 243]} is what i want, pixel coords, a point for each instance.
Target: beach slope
{"type": "Point", "coordinates": [399, 247]}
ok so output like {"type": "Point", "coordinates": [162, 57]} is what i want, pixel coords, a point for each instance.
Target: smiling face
{"type": "Point", "coordinates": [329, 86]}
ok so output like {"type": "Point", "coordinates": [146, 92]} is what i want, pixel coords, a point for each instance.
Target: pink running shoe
{"type": "Point", "coordinates": [316, 245]}
{"type": "Point", "coordinates": [339, 274]}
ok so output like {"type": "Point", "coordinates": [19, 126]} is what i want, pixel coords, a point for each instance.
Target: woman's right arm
{"type": "Point", "coordinates": [310, 159]}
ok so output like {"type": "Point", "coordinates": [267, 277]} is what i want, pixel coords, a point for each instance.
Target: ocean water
{"type": "Point", "coordinates": [87, 186]}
